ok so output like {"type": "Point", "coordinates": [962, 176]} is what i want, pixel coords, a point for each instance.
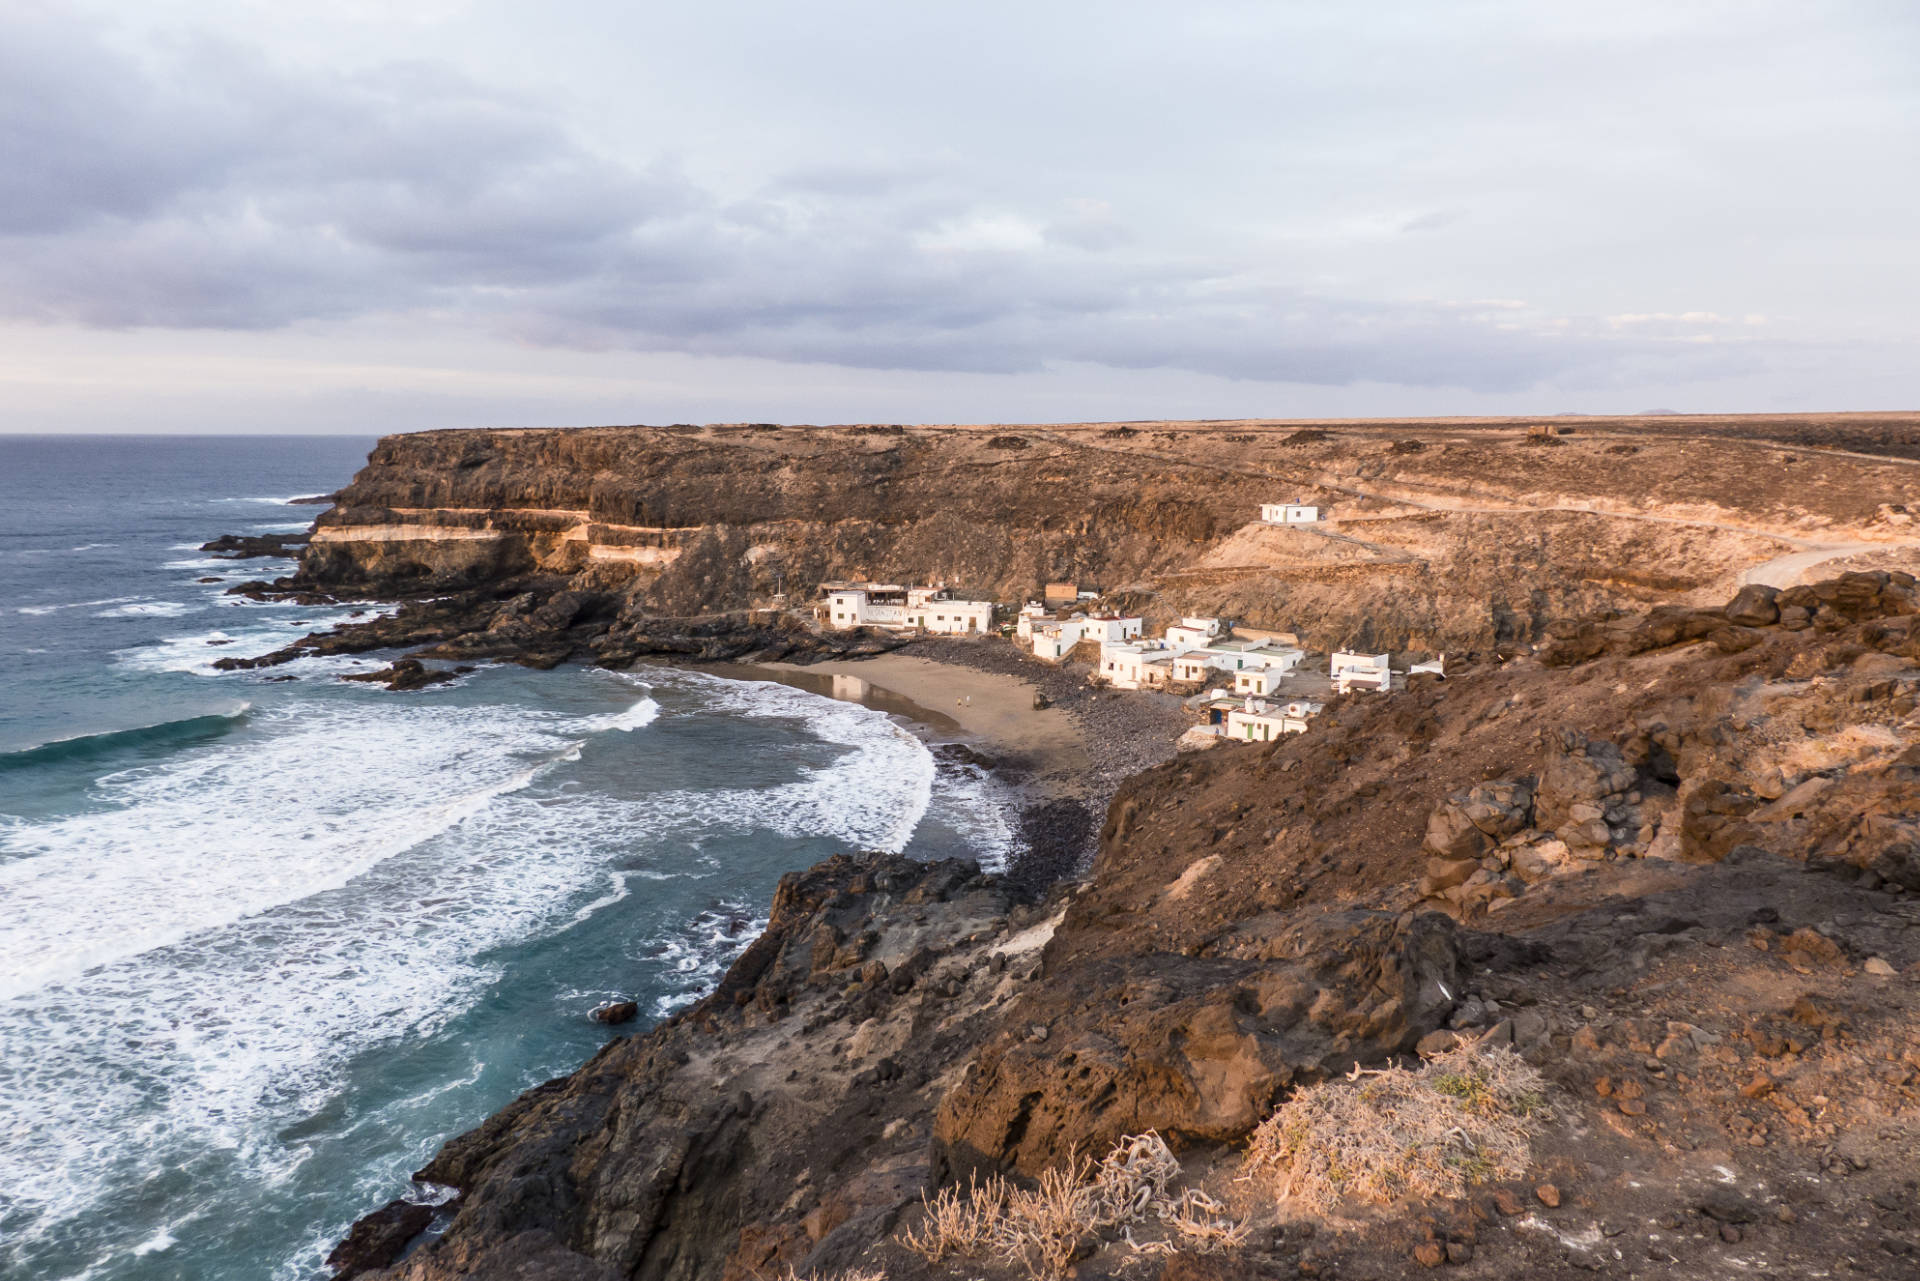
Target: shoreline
{"type": "Point", "coordinates": [1064, 762]}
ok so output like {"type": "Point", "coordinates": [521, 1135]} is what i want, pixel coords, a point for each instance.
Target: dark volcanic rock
{"type": "Point", "coordinates": [1195, 1047]}
{"type": "Point", "coordinates": [377, 1240]}
{"type": "Point", "coordinates": [244, 546]}
{"type": "Point", "coordinates": [615, 1012]}
{"type": "Point", "coordinates": [404, 674]}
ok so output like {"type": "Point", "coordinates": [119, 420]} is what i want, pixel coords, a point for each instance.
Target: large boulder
{"type": "Point", "coordinates": [1199, 1048]}
{"type": "Point", "coordinates": [1468, 823]}
{"type": "Point", "coordinates": [1754, 606]}
{"type": "Point", "coordinates": [1584, 794]}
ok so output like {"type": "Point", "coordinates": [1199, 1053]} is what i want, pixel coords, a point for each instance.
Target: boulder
{"type": "Point", "coordinates": [1754, 606]}
{"type": "Point", "coordinates": [1470, 822]}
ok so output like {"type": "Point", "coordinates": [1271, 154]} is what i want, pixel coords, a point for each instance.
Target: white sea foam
{"type": "Point", "coordinates": [638, 716]}
{"type": "Point", "coordinates": [149, 609]}
{"type": "Point", "coordinates": [179, 866]}
{"type": "Point", "coordinates": [75, 604]}
{"type": "Point", "coordinates": [275, 934]}
{"type": "Point", "coordinates": [241, 911]}
{"type": "Point", "coordinates": [271, 629]}
{"type": "Point", "coordinates": [873, 797]}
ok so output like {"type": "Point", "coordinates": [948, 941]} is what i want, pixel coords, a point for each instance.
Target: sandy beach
{"type": "Point", "coordinates": [957, 703]}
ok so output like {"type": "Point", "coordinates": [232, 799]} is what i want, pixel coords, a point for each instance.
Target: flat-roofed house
{"type": "Point", "coordinates": [900, 608]}
{"type": "Point", "coordinates": [1351, 671]}
{"type": "Point", "coordinates": [1289, 513]}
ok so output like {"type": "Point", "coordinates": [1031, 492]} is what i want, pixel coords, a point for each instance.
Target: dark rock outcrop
{"type": "Point", "coordinates": [1198, 1048]}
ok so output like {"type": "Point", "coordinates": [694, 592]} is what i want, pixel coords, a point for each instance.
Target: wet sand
{"type": "Point", "coordinates": [950, 703]}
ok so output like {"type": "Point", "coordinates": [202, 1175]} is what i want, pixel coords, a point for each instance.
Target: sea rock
{"type": "Point", "coordinates": [403, 675]}
{"type": "Point", "coordinates": [616, 1012]}
{"type": "Point", "coordinates": [377, 1240]}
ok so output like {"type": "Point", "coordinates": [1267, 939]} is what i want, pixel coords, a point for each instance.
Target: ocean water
{"type": "Point", "coordinates": [266, 942]}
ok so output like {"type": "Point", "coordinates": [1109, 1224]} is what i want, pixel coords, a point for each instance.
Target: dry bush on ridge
{"type": "Point", "coordinates": [1461, 1119]}
{"type": "Point", "coordinates": [1044, 1228]}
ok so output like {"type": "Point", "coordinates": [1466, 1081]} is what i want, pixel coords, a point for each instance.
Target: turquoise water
{"type": "Point", "coordinates": [265, 943]}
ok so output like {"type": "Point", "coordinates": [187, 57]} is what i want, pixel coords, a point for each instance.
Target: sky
{"type": "Point", "coordinates": [359, 217]}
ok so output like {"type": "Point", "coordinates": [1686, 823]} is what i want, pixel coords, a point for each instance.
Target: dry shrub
{"type": "Point", "coordinates": [959, 1221]}
{"type": "Point", "coordinates": [1463, 1118]}
{"type": "Point", "coordinates": [1044, 1228]}
{"type": "Point", "coordinates": [857, 1274]}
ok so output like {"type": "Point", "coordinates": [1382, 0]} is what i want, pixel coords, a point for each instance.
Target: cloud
{"type": "Point", "coordinates": [198, 185]}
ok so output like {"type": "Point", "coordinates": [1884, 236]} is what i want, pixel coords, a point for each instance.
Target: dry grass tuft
{"type": "Point", "coordinates": [1461, 1119]}
{"type": "Point", "coordinates": [1044, 1229]}
{"type": "Point", "coordinates": [959, 1221]}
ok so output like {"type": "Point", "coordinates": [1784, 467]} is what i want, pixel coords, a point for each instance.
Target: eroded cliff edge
{"type": "Point", "coordinates": [1672, 859]}
{"type": "Point", "coordinates": [614, 543]}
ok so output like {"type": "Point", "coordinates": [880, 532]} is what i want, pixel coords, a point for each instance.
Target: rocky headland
{"type": "Point", "coordinates": [1656, 837]}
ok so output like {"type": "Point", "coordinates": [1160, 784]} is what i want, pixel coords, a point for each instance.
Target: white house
{"type": "Point", "coordinates": [939, 611]}
{"type": "Point", "coordinates": [1436, 666]}
{"type": "Point", "coordinates": [1138, 665]}
{"type": "Point", "coordinates": [1052, 641]}
{"type": "Point", "coordinates": [1113, 629]}
{"type": "Point", "coordinates": [898, 608]}
{"type": "Point", "coordinates": [1261, 682]}
{"type": "Point", "coordinates": [1195, 632]}
{"type": "Point", "coordinates": [1289, 513]}
{"type": "Point", "coordinates": [1370, 671]}
{"type": "Point", "coordinates": [1032, 615]}
{"type": "Point", "coordinates": [1260, 722]}
{"type": "Point", "coordinates": [1235, 657]}
{"type": "Point", "coordinates": [866, 605]}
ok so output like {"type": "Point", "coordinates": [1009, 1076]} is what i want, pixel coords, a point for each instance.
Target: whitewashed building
{"type": "Point", "coordinates": [1258, 721]}
{"type": "Point", "coordinates": [899, 608]}
{"type": "Point", "coordinates": [1351, 671]}
{"type": "Point", "coordinates": [1138, 665]}
{"type": "Point", "coordinates": [1195, 632]}
{"type": "Point", "coordinates": [1289, 513]}
{"type": "Point", "coordinates": [1052, 639]}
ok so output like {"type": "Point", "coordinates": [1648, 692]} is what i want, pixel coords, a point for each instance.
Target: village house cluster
{"type": "Point", "coordinates": [1240, 673]}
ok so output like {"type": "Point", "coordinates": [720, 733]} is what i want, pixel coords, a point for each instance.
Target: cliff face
{"type": "Point", "coordinates": [1445, 536]}
{"type": "Point", "coordinates": [1728, 1042]}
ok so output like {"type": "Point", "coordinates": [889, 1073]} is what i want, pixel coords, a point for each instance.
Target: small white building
{"type": "Point", "coordinates": [1436, 666]}
{"type": "Point", "coordinates": [899, 608]}
{"type": "Point", "coordinates": [1289, 513]}
{"type": "Point", "coordinates": [1364, 671]}
{"type": "Point", "coordinates": [1113, 629]}
{"type": "Point", "coordinates": [1032, 614]}
{"type": "Point", "coordinates": [1052, 641]}
{"type": "Point", "coordinates": [1053, 638]}
{"type": "Point", "coordinates": [1261, 722]}
{"type": "Point", "coordinates": [1138, 665]}
{"type": "Point", "coordinates": [1260, 682]}
{"type": "Point", "coordinates": [1195, 632]}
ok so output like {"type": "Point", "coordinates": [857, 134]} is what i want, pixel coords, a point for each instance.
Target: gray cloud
{"type": "Point", "coordinates": [198, 184]}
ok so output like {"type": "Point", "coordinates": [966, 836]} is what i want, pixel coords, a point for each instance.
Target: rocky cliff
{"type": "Point", "coordinates": [613, 542]}
{"type": "Point", "coordinates": [1670, 861]}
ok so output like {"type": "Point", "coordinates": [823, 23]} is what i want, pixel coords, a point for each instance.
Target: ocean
{"type": "Point", "coordinates": [268, 938]}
